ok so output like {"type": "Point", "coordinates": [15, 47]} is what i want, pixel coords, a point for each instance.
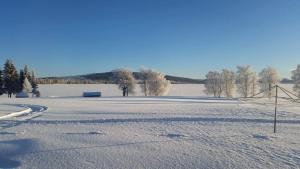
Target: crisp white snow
{"type": "Point", "coordinates": [177, 131]}
{"type": "Point", "coordinates": [69, 90]}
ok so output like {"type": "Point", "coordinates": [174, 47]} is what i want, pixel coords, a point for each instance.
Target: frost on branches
{"type": "Point", "coordinates": [228, 79]}
{"type": "Point", "coordinates": [268, 77]}
{"type": "Point", "coordinates": [296, 78]}
{"type": "Point", "coordinates": [27, 86]}
{"type": "Point", "coordinates": [246, 80]}
{"type": "Point", "coordinates": [125, 80]}
{"type": "Point", "coordinates": [214, 84]}
{"type": "Point", "coordinates": [154, 83]}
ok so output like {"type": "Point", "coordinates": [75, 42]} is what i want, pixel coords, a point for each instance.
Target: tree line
{"type": "Point", "coordinates": [13, 81]}
{"type": "Point", "coordinates": [246, 82]}
{"type": "Point", "coordinates": [66, 81]}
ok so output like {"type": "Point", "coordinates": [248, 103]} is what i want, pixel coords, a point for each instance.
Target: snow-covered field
{"type": "Point", "coordinates": [183, 130]}
{"type": "Point", "coordinates": [69, 90]}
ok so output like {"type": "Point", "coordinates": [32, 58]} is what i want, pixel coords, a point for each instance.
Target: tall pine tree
{"type": "Point", "coordinates": [27, 73]}
{"type": "Point", "coordinates": [26, 86]}
{"type": "Point", "coordinates": [34, 83]}
{"type": "Point", "coordinates": [21, 80]}
{"type": "Point", "coordinates": [11, 78]}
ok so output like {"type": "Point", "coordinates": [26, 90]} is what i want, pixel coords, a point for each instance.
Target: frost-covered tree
{"type": "Point", "coordinates": [253, 83]}
{"type": "Point", "coordinates": [11, 78]}
{"type": "Point", "coordinates": [27, 73]}
{"type": "Point", "coordinates": [125, 80]}
{"type": "Point", "coordinates": [144, 82]}
{"type": "Point", "coordinates": [26, 87]}
{"type": "Point", "coordinates": [228, 82]}
{"type": "Point", "coordinates": [244, 76]}
{"type": "Point", "coordinates": [214, 83]}
{"type": "Point", "coordinates": [157, 84]}
{"type": "Point", "coordinates": [296, 78]}
{"type": "Point", "coordinates": [268, 77]}
{"type": "Point", "coordinates": [21, 80]}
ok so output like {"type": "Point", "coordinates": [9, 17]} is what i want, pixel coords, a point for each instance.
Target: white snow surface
{"type": "Point", "coordinates": [186, 129]}
{"type": "Point", "coordinates": [69, 90]}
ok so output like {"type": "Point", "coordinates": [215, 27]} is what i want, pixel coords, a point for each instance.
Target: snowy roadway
{"type": "Point", "coordinates": [138, 132]}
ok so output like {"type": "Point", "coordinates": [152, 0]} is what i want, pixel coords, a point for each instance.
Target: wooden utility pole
{"type": "Point", "coordinates": [275, 119]}
{"type": "Point", "coordinates": [288, 93]}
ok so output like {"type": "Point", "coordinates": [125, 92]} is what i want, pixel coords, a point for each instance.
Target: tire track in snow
{"type": "Point", "coordinates": [33, 111]}
{"type": "Point", "coordinates": [36, 111]}
{"type": "Point", "coordinates": [30, 112]}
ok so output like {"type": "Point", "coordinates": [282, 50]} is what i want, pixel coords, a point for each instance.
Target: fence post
{"type": "Point", "coordinates": [275, 120]}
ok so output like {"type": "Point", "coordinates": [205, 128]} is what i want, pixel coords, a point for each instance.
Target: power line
{"type": "Point", "coordinates": [288, 93]}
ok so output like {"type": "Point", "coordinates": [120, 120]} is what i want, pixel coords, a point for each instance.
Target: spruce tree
{"type": "Point", "coordinates": [11, 78]}
{"type": "Point", "coordinates": [26, 87]}
{"type": "Point", "coordinates": [34, 83]}
{"type": "Point", "coordinates": [27, 73]}
{"type": "Point", "coordinates": [21, 80]}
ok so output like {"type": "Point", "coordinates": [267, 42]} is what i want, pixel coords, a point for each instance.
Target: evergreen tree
{"type": "Point", "coordinates": [21, 80]}
{"type": "Point", "coordinates": [26, 87]}
{"type": "Point", "coordinates": [1, 82]}
{"type": "Point", "coordinates": [11, 78]}
{"type": "Point", "coordinates": [34, 83]}
{"type": "Point", "coordinates": [27, 73]}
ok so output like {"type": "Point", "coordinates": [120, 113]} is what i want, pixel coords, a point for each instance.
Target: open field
{"type": "Point", "coordinates": [186, 129]}
{"type": "Point", "coordinates": [68, 90]}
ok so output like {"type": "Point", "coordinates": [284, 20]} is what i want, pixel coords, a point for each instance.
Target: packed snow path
{"type": "Point", "coordinates": [139, 132]}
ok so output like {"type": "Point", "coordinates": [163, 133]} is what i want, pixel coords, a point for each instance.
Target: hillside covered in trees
{"type": "Point", "coordinates": [107, 77]}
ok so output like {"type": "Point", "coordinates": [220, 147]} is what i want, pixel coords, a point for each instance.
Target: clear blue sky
{"type": "Point", "coordinates": [179, 37]}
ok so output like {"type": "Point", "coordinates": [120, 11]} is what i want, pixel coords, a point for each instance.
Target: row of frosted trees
{"type": "Point", "coordinates": [12, 81]}
{"type": "Point", "coordinates": [153, 83]}
{"type": "Point", "coordinates": [244, 81]}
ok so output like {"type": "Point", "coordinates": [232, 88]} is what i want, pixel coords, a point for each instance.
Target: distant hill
{"type": "Point", "coordinates": [287, 81]}
{"type": "Point", "coordinates": [106, 77]}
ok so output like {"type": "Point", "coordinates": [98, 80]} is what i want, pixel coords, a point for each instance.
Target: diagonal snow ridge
{"type": "Point", "coordinates": [15, 114]}
{"type": "Point", "coordinates": [29, 112]}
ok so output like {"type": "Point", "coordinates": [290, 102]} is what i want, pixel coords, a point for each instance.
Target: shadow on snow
{"type": "Point", "coordinates": [11, 149]}
{"type": "Point", "coordinates": [12, 123]}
